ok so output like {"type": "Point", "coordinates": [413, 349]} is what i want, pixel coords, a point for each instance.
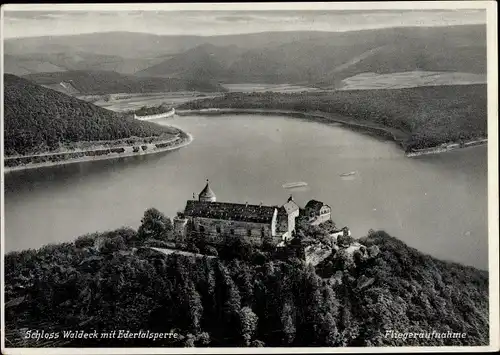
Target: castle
{"type": "Point", "coordinates": [258, 224]}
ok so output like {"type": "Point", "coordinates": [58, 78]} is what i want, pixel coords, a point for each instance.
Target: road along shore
{"type": "Point", "coordinates": [99, 153]}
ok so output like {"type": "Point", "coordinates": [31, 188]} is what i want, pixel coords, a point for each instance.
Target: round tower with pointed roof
{"type": "Point", "coordinates": [207, 195]}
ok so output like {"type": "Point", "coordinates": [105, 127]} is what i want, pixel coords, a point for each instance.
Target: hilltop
{"type": "Point", "coordinates": [206, 61]}
{"type": "Point", "coordinates": [37, 120]}
{"type": "Point", "coordinates": [243, 297]}
{"type": "Point", "coordinates": [140, 45]}
{"type": "Point", "coordinates": [326, 61]}
{"type": "Point", "coordinates": [87, 82]}
{"type": "Point", "coordinates": [108, 50]}
{"type": "Point", "coordinates": [22, 64]}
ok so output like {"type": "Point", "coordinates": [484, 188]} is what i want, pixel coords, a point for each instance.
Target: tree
{"type": "Point", "coordinates": [155, 225]}
{"type": "Point", "coordinates": [112, 244]}
{"type": "Point", "coordinates": [228, 302]}
{"type": "Point", "coordinates": [86, 241]}
{"type": "Point", "coordinates": [235, 303]}
{"type": "Point", "coordinates": [248, 324]}
{"type": "Point", "coordinates": [191, 306]}
{"type": "Point", "coordinates": [210, 250]}
{"type": "Point", "coordinates": [288, 322]}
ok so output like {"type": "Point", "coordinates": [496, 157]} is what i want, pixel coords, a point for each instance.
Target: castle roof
{"type": "Point", "coordinates": [230, 211]}
{"type": "Point", "coordinates": [314, 204]}
{"type": "Point", "coordinates": [207, 192]}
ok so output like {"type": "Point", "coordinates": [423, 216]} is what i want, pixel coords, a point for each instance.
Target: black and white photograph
{"type": "Point", "coordinates": [249, 177]}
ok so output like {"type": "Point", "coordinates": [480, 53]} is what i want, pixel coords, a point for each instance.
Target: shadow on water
{"type": "Point", "coordinates": [29, 178]}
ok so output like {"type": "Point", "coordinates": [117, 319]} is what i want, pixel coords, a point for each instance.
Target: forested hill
{"type": "Point", "coordinates": [109, 82]}
{"type": "Point", "coordinates": [243, 297]}
{"type": "Point", "coordinates": [37, 119]}
{"type": "Point", "coordinates": [423, 116]}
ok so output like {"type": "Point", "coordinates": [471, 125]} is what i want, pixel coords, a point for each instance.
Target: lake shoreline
{"type": "Point", "coordinates": [447, 147]}
{"type": "Point", "coordinates": [393, 134]}
{"type": "Point", "coordinates": [129, 150]}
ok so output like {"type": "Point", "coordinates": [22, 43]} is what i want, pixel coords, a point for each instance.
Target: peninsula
{"type": "Point", "coordinates": [421, 119]}
{"type": "Point", "coordinates": [44, 127]}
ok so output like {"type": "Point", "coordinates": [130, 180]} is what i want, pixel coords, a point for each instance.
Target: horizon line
{"type": "Point", "coordinates": [2, 34]}
{"type": "Point", "coordinates": [266, 6]}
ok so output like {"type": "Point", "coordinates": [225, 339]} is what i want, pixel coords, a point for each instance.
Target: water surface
{"type": "Point", "coordinates": [437, 204]}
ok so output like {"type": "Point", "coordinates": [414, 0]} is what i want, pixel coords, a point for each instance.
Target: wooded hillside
{"type": "Point", "coordinates": [246, 299]}
{"type": "Point", "coordinates": [428, 116]}
{"type": "Point", "coordinates": [37, 119]}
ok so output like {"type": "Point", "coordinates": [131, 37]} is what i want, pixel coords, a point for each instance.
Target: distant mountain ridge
{"type": "Point", "coordinates": [23, 65]}
{"type": "Point", "coordinates": [139, 45]}
{"type": "Point", "coordinates": [33, 63]}
{"type": "Point", "coordinates": [206, 61]}
{"type": "Point", "coordinates": [325, 61]}
{"type": "Point", "coordinates": [308, 58]}
{"type": "Point", "coordinates": [105, 82]}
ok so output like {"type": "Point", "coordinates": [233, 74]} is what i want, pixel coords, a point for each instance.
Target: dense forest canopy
{"type": "Point", "coordinates": [428, 116]}
{"type": "Point", "coordinates": [109, 281]}
{"type": "Point", "coordinates": [37, 120]}
{"type": "Point", "coordinates": [152, 110]}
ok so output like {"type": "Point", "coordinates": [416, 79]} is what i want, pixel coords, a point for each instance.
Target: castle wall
{"type": "Point", "coordinates": [282, 224]}
{"type": "Point", "coordinates": [317, 217]}
{"type": "Point", "coordinates": [215, 229]}
{"type": "Point", "coordinates": [286, 225]}
{"type": "Point", "coordinates": [291, 222]}
{"type": "Point", "coordinates": [180, 226]}
{"type": "Point", "coordinates": [321, 219]}
{"type": "Point", "coordinates": [158, 115]}
{"type": "Point", "coordinates": [314, 254]}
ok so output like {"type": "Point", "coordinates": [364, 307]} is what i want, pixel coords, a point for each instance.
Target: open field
{"type": "Point", "coordinates": [370, 81]}
{"type": "Point", "coordinates": [255, 87]}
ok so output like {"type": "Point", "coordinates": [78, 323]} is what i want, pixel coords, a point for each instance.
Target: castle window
{"type": "Point", "coordinates": [218, 229]}
{"type": "Point", "coordinates": [249, 232]}
{"type": "Point", "coordinates": [262, 232]}
{"type": "Point", "coordinates": [202, 229]}
{"type": "Point", "coordinates": [231, 231]}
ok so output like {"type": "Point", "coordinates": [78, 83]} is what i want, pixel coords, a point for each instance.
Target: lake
{"type": "Point", "coordinates": [435, 203]}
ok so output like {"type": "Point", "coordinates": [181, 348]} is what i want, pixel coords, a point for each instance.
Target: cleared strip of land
{"type": "Point", "coordinates": [372, 81]}
{"type": "Point", "coordinates": [93, 154]}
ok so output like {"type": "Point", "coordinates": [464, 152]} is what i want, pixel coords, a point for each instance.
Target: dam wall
{"type": "Point", "coordinates": [154, 117]}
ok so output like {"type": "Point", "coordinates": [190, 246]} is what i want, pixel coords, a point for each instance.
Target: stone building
{"type": "Point", "coordinates": [287, 215]}
{"type": "Point", "coordinates": [317, 212]}
{"type": "Point", "coordinates": [256, 223]}
{"type": "Point", "coordinates": [207, 195]}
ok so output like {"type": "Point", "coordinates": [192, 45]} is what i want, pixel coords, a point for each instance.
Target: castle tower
{"type": "Point", "coordinates": [207, 195]}
{"type": "Point", "coordinates": [180, 225]}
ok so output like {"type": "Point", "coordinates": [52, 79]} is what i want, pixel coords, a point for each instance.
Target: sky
{"type": "Point", "coordinates": [209, 23]}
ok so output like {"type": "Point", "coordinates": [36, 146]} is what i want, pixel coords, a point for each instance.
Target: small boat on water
{"type": "Point", "coordinates": [348, 174]}
{"type": "Point", "coordinates": [294, 184]}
